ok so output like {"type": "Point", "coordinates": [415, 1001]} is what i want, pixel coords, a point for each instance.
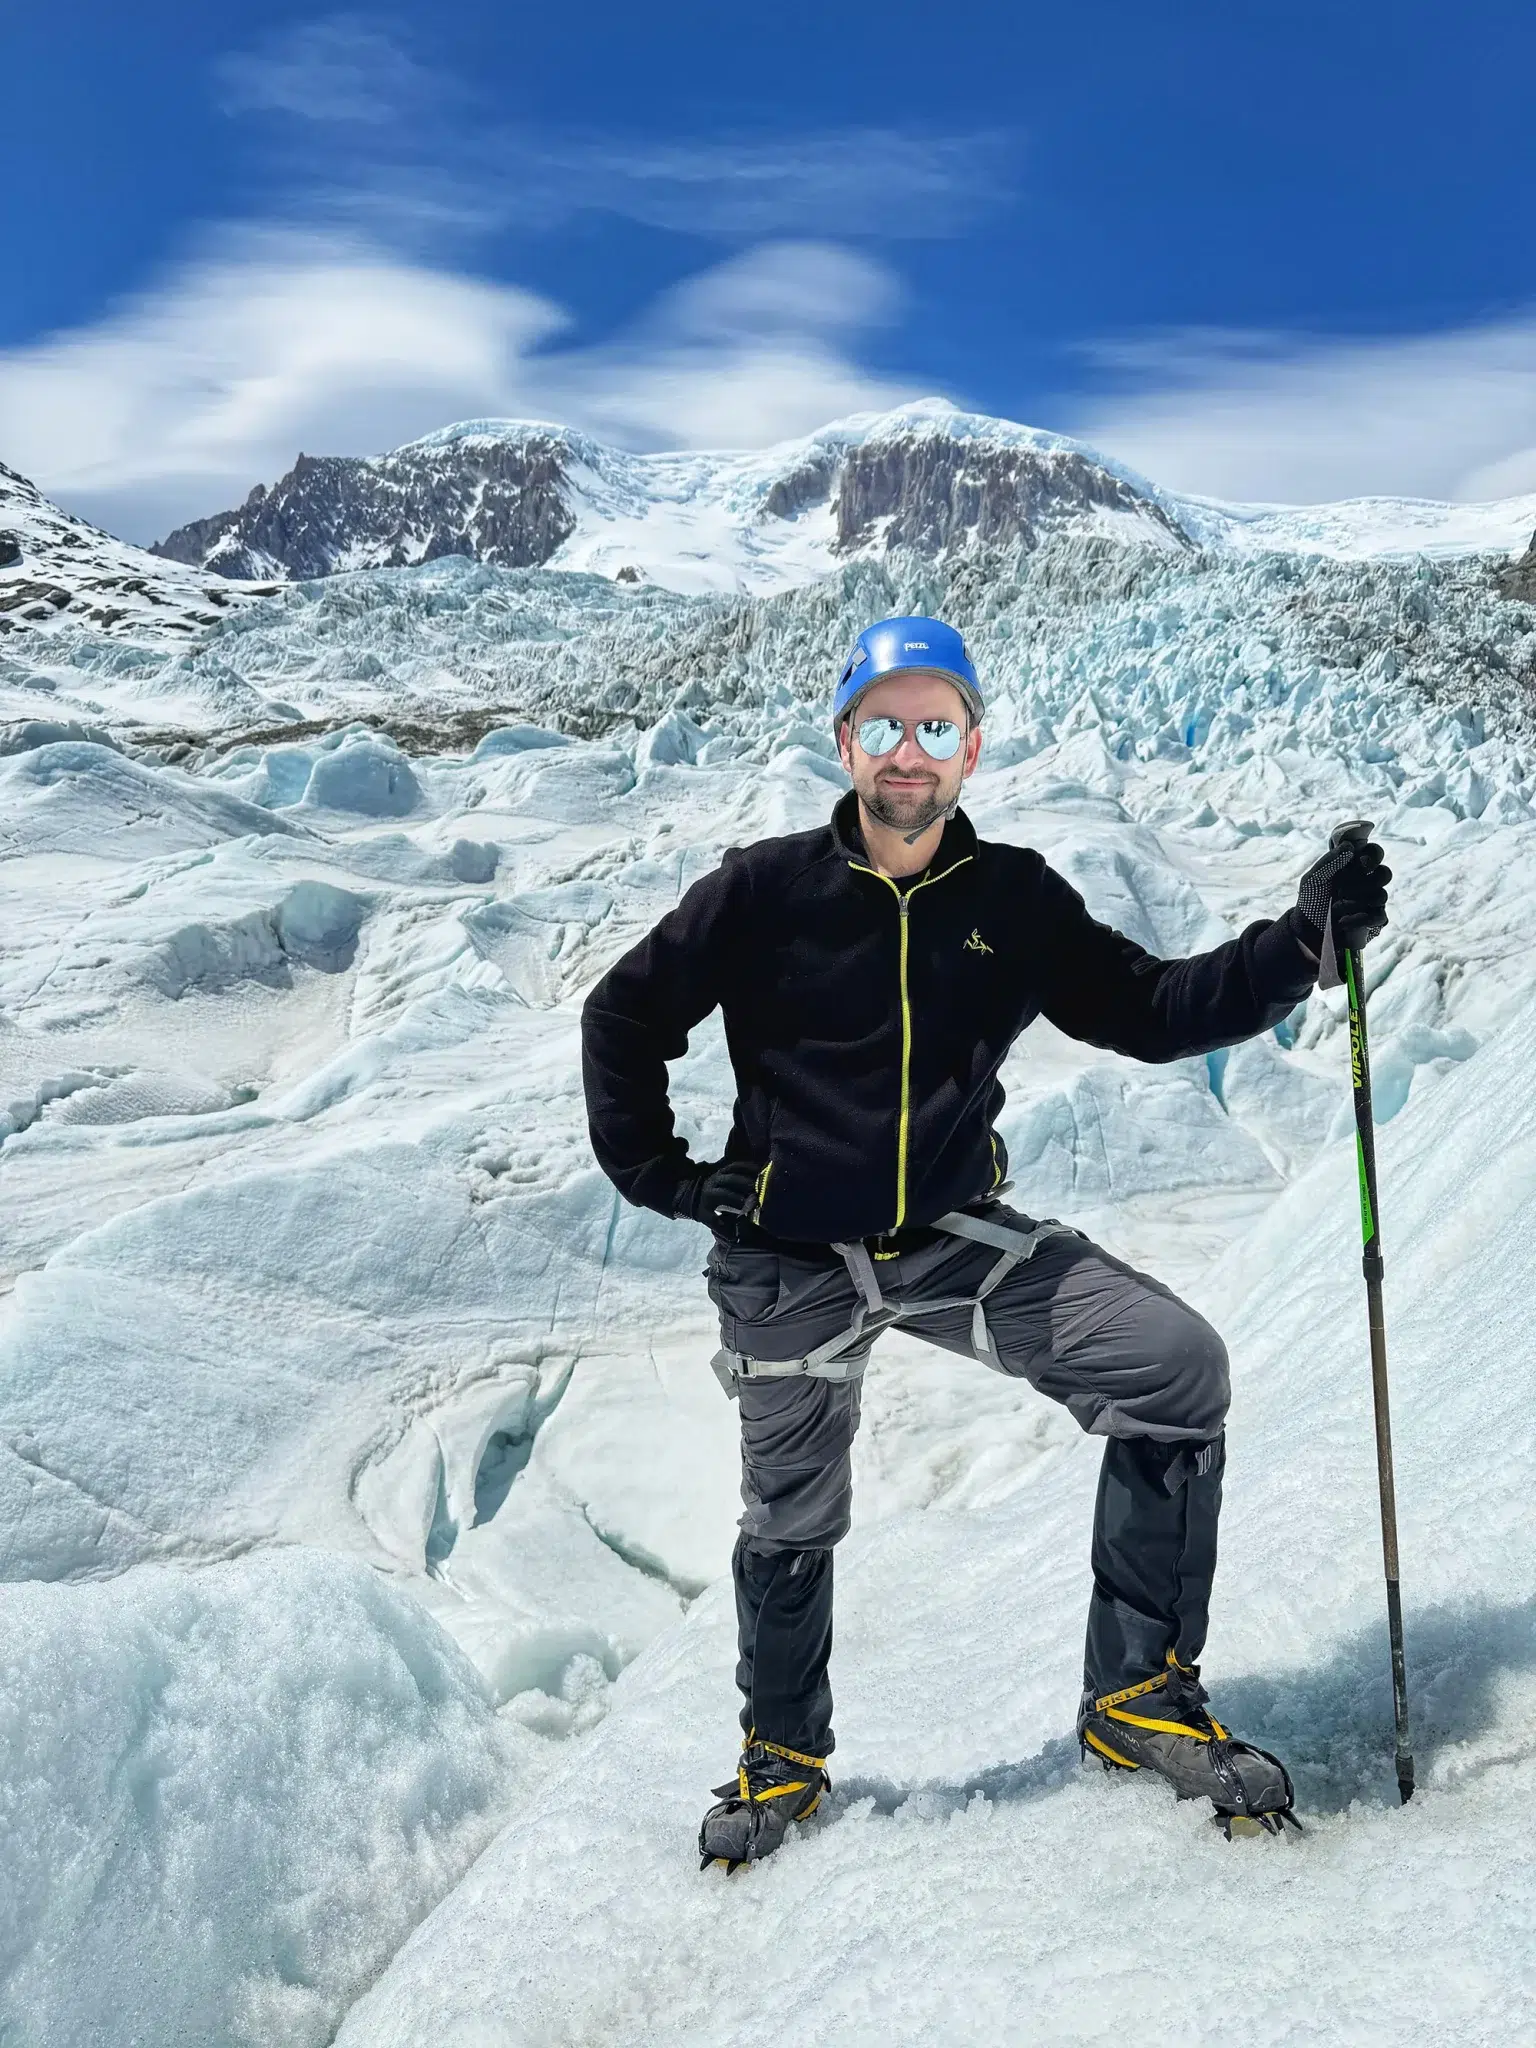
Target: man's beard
{"type": "Point", "coordinates": [907, 813]}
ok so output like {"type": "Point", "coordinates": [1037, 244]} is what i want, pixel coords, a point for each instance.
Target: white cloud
{"type": "Point", "coordinates": [176, 403]}
{"type": "Point", "coordinates": [1296, 420]}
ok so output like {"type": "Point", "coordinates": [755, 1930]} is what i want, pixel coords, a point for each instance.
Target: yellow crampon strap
{"type": "Point", "coordinates": [1097, 1742]}
{"type": "Point", "coordinates": [1112, 1702]}
{"type": "Point", "coordinates": [1166, 1727]}
{"type": "Point", "coordinates": [1131, 1692]}
{"type": "Point", "coordinates": [773, 1791]}
{"type": "Point", "coordinates": [794, 1756]}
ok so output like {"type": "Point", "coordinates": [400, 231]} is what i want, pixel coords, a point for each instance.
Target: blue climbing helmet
{"type": "Point", "coordinates": [904, 647]}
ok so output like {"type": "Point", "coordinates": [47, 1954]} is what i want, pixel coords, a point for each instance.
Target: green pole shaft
{"type": "Point", "coordinates": [1371, 1261]}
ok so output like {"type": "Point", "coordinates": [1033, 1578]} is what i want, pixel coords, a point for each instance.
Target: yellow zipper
{"type": "Point", "coordinates": [903, 899]}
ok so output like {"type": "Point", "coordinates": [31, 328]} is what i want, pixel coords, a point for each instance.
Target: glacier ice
{"type": "Point", "coordinates": [227, 1797]}
{"type": "Point", "coordinates": [359, 1447]}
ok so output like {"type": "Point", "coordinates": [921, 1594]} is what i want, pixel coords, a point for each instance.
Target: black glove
{"type": "Point", "coordinates": [718, 1194]}
{"type": "Point", "coordinates": [1351, 880]}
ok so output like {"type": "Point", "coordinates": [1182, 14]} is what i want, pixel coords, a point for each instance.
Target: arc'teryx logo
{"type": "Point", "coordinates": [976, 943]}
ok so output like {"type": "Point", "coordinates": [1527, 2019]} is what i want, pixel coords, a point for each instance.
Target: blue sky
{"type": "Point", "coordinates": [1261, 251]}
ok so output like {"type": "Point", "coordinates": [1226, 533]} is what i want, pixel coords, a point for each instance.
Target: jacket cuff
{"type": "Point", "coordinates": [1286, 956]}
{"type": "Point", "coordinates": [661, 1185]}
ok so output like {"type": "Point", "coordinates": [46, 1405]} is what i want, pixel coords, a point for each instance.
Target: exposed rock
{"type": "Point", "coordinates": [10, 550]}
{"type": "Point", "coordinates": [934, 493]}
{"type": "Point", "coordinates": [809, 484]}
{"type": "Point", "coordinates": [17, 596]}
{"type": "Point", "coordinates": [500, 501]}
{"type": "Point", "coordinates": [1517, 579]}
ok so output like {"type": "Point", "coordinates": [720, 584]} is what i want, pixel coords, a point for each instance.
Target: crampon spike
{"type": "Point", "coordinates": [1233, 1825]}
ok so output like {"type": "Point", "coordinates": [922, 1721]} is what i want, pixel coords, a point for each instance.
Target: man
{"type": "Point", "coordinates": [873, 975]}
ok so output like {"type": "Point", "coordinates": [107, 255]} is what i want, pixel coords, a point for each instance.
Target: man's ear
{"type": "Point", "coordinates": [845, 746]}
{"type": "Point", "coordinates": [972, 749]}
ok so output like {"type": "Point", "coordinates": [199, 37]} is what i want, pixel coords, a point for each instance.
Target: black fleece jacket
{"type": "Point", "coordinates": [866, 1022]}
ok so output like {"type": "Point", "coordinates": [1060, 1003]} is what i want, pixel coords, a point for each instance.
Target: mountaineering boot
{"type": "Point", "coordinates": [1161, 1725]}
{"type": "Point", "coordinates": [773, 1788]}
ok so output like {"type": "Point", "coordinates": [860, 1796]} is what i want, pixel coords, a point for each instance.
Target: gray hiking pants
{"type": "Point", "coordinates": [1132, 1362]}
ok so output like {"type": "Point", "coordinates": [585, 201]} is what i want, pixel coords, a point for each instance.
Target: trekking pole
{"type": "Point", "coordinates": [1371, 1262]}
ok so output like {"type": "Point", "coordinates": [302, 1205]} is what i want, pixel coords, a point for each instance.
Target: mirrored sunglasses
{"type": "Point", "coordinates": [939, 738]}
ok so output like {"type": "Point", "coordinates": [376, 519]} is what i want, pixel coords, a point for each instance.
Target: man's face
{"type": "Point", "coordinates": [905, 789]}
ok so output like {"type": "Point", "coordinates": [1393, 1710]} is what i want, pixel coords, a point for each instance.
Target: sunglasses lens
{"type": "Point", "coordinates": [879, 736]}
{"type": "Point", "coordinates": [939, 738]}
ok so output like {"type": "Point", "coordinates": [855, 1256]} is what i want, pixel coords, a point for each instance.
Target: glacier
{"type": "Point", "coordinates": [365, 1493]}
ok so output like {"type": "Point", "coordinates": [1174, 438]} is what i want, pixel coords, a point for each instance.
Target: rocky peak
{"type": "Point", "coordinates": [1517, 579]}
{"type": "Point", "coordinates": [496, 499]}
{"type": "Point", "coordinates": [932, 493]}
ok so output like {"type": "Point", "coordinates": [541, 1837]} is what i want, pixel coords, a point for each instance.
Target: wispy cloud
{"type": "Point", "coordinates": [866, 182]}
{"type": "Point", "coordinates": [361, 130]}
{"type": "Point", "coordinates": [174, 404]}
{"type": "Point", "coordinates": [341, 70]}
{"type": "Point", "coordinates": [1298, 419]}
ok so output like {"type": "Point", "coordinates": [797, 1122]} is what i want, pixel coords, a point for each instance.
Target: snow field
{"type": "Point", "coordinates": [304, 1268]}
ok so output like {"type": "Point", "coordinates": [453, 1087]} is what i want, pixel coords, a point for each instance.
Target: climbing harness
{"type": "Point", "coordinates": [845, 1356]}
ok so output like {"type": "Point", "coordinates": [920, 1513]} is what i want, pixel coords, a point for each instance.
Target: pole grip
{"type": "Point", "coordinates": [1355, 833]}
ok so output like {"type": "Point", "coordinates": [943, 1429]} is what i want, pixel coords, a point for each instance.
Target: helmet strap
{"type": "Point", "coordinates": [911, 838]}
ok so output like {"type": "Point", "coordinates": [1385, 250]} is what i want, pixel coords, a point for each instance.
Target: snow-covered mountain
{"type": "Point", "coordinates": [925, 478]}
{"type": "Point", "coordinates": [58, 571]}
{"type": "Point", "coordinates": [526, 495]}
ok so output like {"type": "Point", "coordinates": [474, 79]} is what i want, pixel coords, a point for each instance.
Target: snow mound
{"type": "Point", "coordinates": [368, 776]}
{"type": "Point", "coordinates": [228, 1796]}
{"type": "Point", "coordinates": [130, 1098]}
{"type": "Point", "coordinates": [74, 796]}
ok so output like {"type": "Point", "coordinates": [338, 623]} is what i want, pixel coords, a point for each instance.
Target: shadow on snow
{"type": "Point", "coordinates": [1331, 1722]}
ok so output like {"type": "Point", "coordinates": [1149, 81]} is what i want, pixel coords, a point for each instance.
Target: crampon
{"type": "Point", "coordinates": [773, 1788]}
{"type": "Point", "coordinates": [1162, 1725]}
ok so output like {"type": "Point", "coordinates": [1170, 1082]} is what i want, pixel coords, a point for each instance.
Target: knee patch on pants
{"type": "Point", "coordinates": [1180, 1388]}
{"type": "Point", "coordinates": [796, 1461]}
{"type": "Point", "coordinates": [1206, 1380]}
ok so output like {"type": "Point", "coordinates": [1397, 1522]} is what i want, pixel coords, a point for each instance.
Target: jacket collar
{"type": "Point", "coordinates": [958, 843]}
